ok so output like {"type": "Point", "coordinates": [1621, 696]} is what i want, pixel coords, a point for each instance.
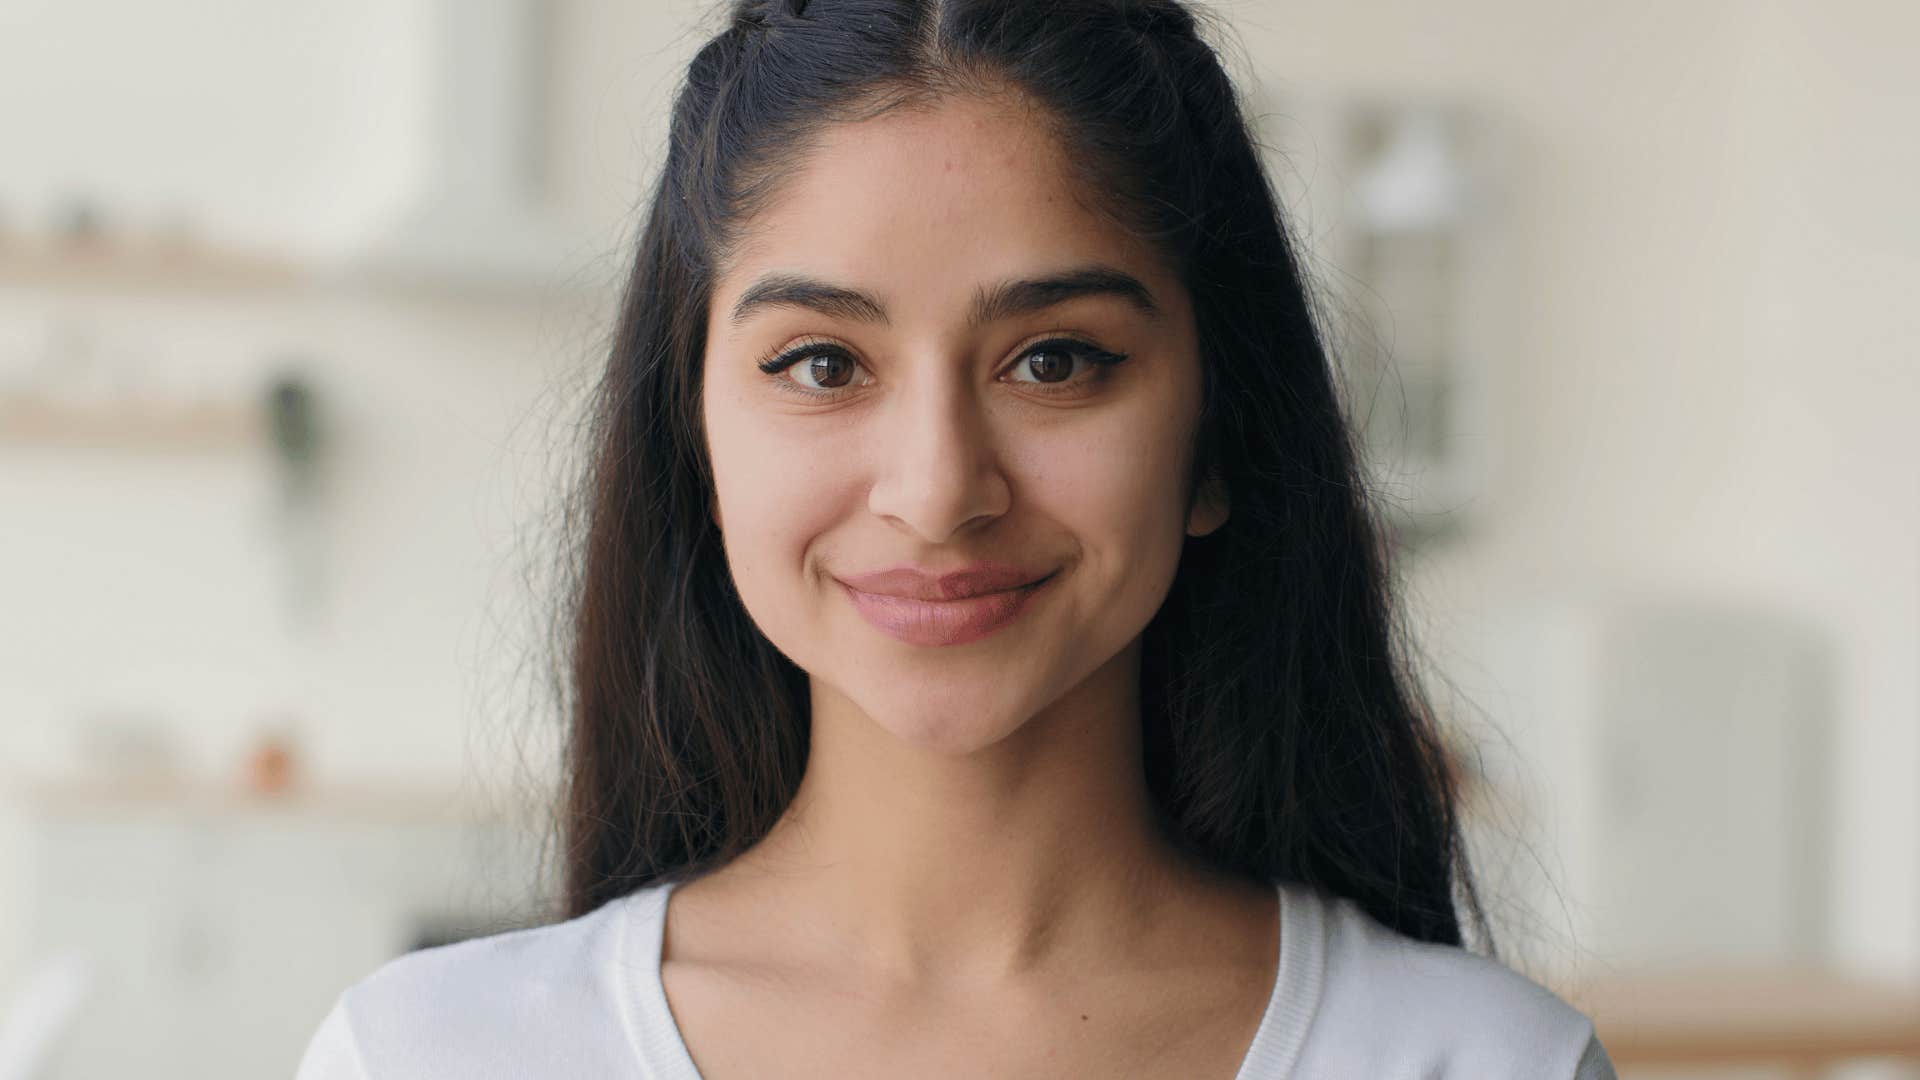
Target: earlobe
{"type": "Point", "coordinates": [1211, 505]}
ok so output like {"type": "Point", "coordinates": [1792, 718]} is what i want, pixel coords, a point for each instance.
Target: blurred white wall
{"type": "Point", "coordinates": [264, 123]}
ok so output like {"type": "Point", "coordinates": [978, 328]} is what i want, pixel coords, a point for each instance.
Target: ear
{"type": "Point", "coordinates": [1210, 504]}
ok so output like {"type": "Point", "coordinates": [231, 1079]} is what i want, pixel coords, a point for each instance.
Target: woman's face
{"type": "Point", "coordinates": [979, 370]}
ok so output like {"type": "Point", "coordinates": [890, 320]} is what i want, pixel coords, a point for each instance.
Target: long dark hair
{"type": "Point", "coordinates": [1285, 735]}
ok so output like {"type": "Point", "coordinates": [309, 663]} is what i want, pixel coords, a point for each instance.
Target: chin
{"type": "Point", "coordinates": [954, 724]}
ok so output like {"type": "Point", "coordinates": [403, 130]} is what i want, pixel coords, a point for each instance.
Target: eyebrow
{"type": "Point", "coordinates": [1004, 300]}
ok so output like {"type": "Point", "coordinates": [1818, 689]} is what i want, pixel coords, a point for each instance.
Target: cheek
{"type": "Point", "coordinates": [1120, 479]}
{"type": "Point", "coordinates": [1118, 491]}
{"type": "Point", "coordinates": [775, 494]}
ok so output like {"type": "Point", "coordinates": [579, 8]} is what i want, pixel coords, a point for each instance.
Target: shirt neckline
{"type": "Point", "coordinates": [1276, 1045]}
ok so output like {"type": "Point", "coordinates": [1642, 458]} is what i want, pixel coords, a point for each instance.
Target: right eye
{"type": "Point", "coordinates": [819, 370]}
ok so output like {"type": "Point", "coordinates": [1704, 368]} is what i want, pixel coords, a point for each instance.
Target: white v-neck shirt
{"type": "Point", "coordinates": [1351, 1000]}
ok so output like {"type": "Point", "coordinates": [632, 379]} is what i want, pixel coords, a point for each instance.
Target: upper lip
{"type": "Point", "coordinates": [914, 583]}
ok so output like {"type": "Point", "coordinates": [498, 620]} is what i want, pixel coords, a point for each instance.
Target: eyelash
{"type": "Point", "coordinates": [1103, 363]}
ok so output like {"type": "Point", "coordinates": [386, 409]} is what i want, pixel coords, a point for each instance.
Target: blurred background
{"type": "Point", "coordinates": [298, 305]}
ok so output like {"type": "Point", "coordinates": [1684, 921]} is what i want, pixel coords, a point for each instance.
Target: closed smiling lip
{"type": "Point", "coordinates": [921, 607]}
{"type": "Point", "coordinates": [913, 583]}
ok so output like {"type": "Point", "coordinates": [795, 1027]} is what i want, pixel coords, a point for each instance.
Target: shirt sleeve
{"type": "Point", "coordinates": [1594, 1063]}
{"type": "Point", "coordinates": [333, 1054]}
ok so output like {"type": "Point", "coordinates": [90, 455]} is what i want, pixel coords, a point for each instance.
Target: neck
{"type": "Point", "coordinates": [1035, 852]}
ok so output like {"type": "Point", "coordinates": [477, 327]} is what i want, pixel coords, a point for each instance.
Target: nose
{"type": "Point", "coordinates": [938, 470]}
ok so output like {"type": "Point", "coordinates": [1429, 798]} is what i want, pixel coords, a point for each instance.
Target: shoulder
{"type": "Point", "coordinates": [1393, 1006]}
{"type": "Point", "coordinates": [519, 1003]}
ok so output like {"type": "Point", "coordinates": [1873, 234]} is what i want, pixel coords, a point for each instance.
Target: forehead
{"type": "Point", "coordinates": [921, 204]}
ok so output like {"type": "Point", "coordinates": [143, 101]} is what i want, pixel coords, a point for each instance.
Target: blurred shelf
{"type": "Point", "coordinates": [189, 270]}
{"type": "Point", "coordinates": [1804, 1016]}
{"type": "Point", "coordinates": [176, 268]}
{"type": "Point", "coordinates": [132, 424]}
{"type": "Point", "coordinates": [145, 799]}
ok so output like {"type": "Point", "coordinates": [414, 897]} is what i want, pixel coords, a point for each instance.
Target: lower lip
{"type": "Point", "coordinates": [943, 622]}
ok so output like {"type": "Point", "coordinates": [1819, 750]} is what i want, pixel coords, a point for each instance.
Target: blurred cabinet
{"type": "Point", "coordinates": [1398, 205]}
{"type": "Point", "coordinates": [217, 931]}
{"type": "Point", "coordinates": [1663, 764]}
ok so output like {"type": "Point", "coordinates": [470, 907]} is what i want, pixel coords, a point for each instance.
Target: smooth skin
{"type": "Point", "coordinates": [969, 881]}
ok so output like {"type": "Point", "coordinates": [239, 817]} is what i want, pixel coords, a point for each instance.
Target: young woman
{"type": "Point", "coordinates": [982, 658]}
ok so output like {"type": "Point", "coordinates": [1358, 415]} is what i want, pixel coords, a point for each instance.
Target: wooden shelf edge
{"type": "Point", "coordinates": [129, 424]}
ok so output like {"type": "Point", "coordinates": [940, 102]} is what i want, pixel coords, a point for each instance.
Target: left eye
{"type": "Point", "coordinates": [1052, 361]}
